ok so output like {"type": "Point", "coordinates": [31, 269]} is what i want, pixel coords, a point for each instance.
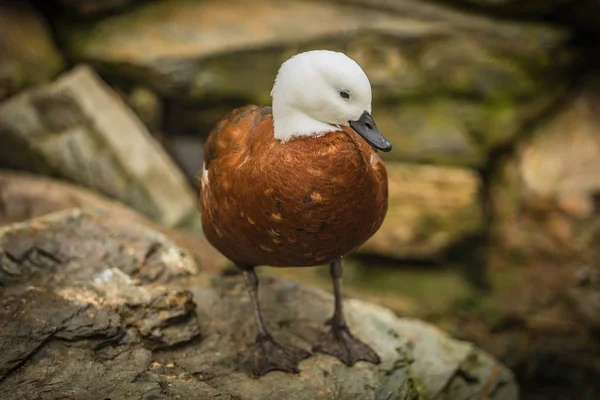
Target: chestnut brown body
{"type": "Point", "coordinates": [304, 202]}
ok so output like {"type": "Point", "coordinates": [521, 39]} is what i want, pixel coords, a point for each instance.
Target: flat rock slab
{"type": "Point", "coordinates": [122, 312]}
{"type": "Point", "coordinates": [78, 129]}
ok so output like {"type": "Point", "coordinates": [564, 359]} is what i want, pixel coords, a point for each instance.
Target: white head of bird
{"type": "Point", "coordinates": [319, 91]}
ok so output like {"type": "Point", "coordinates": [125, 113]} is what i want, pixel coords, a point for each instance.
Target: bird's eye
{"type": "Point", "coordinates": [344, 94]}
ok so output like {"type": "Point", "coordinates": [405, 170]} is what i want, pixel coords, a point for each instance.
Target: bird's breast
{"type": "Point", "coordinates": [297, 205]}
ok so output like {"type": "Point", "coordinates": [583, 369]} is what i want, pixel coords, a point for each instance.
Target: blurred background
{"type": "Point", "coordinates": [493, 107]}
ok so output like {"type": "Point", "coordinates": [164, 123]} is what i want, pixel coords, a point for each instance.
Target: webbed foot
{"type": "Point", "coordinates": [340, 343]}
{"type": "Point", "coordinates": [268, 355]}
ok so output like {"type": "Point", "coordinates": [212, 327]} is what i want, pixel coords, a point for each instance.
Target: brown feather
{"type": "Point", "coordinates": [308, 201]}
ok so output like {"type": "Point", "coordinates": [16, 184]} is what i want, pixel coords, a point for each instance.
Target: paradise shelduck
{"type": "Point", "coordinates": [298, 184]}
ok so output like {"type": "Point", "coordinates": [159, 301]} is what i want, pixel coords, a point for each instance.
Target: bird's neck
{"type": "Point", "coordinates": [289, 122]}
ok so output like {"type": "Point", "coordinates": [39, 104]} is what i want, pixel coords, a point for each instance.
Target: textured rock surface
{"type": "Point", "coordinates": [24, 196]}
{"type": "Point", "coordinates": [78, 129]}
{"type": "Point", "coordinates": [124, 313]}
{"type": "Point", "coordinates": [471, 83]}
{"type": "Point", "coordinates": [28, 55]}
{"type": "Point", "coordinates": [430, 208]}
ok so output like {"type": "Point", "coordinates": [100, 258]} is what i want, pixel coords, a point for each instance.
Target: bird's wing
{"type": "Point", "coordinates": [232, 132]}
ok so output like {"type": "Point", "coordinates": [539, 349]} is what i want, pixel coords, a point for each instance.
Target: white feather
{"type": "Point", "coordinates": [306, 94]}
{"type": "Point", "coordinates": [204, 178]}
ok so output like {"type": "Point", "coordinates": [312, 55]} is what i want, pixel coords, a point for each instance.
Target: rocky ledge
{"type": "Point", "coordinates": [120, 310]}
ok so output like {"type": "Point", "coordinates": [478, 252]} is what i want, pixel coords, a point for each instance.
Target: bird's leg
{"type": "Point", "coordinates": [339, 341]}
{"type": "Point", "coordinates": [268, 355]}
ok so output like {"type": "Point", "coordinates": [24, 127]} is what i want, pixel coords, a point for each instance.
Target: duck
{"type": "Point", "coordinates": [296, 184]}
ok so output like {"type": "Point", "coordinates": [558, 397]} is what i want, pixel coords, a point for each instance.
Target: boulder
{"type": "Point", "coordinates": [24, 196]}
{"type": "Point", "coordinates": [77, 128]}
{"type": "Point", "coordinates": [449, 87]}
{"type": "Point", "coordinates": [123, 312]}
{"type": "Point", "coordinates": [28, 55]}
{"type": "Point", "coordinates": [429, 209]}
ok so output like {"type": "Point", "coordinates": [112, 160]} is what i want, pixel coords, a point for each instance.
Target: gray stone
{"type": "Point", "coordinates": [108, 290]}
{"type": "Point", "coordinates": [78, 129]}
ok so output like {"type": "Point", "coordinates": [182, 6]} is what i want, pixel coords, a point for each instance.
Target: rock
{"type": "Point", "coordinates": [76, 128]}
{"type": "Point", "coordinates": [28, 55]}
{"type": "Point", "coordinates": [124, 313]}
{"type": "Point", "coordinates": [545, 195]}
{"type": "Point", "coordinates": [450, 87]}
{"type": "Point", "coordinates": [24, 196]}
{"type": "Point", "coordinates": [429, 209]}
{"type": "Point", "coordinates": [545, 200]}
